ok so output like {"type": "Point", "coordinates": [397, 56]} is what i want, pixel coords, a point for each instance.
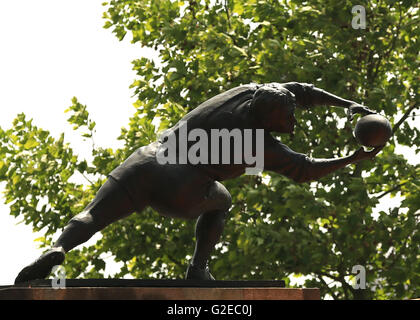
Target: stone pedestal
{"type": "Point", "coordinates": [119, 289]}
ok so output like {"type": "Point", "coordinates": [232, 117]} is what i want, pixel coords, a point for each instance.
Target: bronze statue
{"type": "Point", "coordinates": [193, 191]}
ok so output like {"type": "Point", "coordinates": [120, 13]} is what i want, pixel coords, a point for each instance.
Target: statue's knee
{"type": "Point", "coordinates": [84, 220]}
{"type": "Point", "coordinates": [224, 215]}
{"type": "Point", "coordinates": [228, 201]}
{"type": "Point", "coordinates": [83, 217]}
{"type": "Point", "coordinates": [223, 197]}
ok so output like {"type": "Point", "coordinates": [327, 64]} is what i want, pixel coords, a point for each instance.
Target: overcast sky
{"type": "Point", "coordinates": [51, 51]}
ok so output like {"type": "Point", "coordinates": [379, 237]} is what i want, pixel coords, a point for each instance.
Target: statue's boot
{"type": "Point", "coordinates": [196, 273]}
{"type": "Point", "coordinates": [41, 267]}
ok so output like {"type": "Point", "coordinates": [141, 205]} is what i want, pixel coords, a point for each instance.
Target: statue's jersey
{"type": "Point", "coordinates": [223, 120]}
{"type": "Point", "coordinates": [229, 110]}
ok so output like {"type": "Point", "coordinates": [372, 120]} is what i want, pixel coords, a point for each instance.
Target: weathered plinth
{"type": "Point", "coordinates": [115, 289]}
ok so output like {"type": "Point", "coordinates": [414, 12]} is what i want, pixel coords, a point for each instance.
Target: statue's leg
{"type": "Point", "coordinates": [209, 229]}
{"type": "Point", "coordinates": [110, 204]}
{"type": "Point", "coordinates": [183, 191]}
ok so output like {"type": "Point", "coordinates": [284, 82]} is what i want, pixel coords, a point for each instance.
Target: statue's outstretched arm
{"type": "Point", "coordinates": [301, 168]}
{"type": "Point", "coordinates": [307, 95]}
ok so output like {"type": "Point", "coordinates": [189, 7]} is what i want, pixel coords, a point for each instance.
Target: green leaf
{"type": "Point", "coordinates": [31, 143]}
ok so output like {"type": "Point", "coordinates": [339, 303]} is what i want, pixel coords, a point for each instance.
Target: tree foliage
{"type": "Point", "coordinates": [276, 228]}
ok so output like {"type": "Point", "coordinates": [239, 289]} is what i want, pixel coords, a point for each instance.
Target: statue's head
{"type": "Point", "coordinates": [275, 109]}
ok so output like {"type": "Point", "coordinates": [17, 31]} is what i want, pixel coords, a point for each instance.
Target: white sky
{"type": "Point", "coordinates": [51, 51]}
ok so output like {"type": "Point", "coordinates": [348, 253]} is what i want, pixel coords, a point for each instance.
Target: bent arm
{"type": "Point", "coordinates": [314, 169]}
{"type": "Point", "coordinates": [307, 95]}
{"type": "Point", "coordinates": [299, 167]}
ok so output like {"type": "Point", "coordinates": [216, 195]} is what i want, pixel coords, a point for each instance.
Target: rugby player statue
{"type": "Point", "coordinates": [193, 189]}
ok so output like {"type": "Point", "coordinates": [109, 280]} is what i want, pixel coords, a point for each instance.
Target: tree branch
{"type": "Point", "coordinates": [403, 118]}
{"type": "Point", "coordinates": [227, 13]}
{"type": "Point", "coordinates": [391, 190]}
{"type": "Point", "coordinates": [86, 178]}
{"type": "Point", "coordinates": [331, 291]}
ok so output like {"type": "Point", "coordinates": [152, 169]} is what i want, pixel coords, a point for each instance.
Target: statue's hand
{"type": "Point", "coordinates": [358, 108]}
{"type": "Point", "coordinates": [361, 154]}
